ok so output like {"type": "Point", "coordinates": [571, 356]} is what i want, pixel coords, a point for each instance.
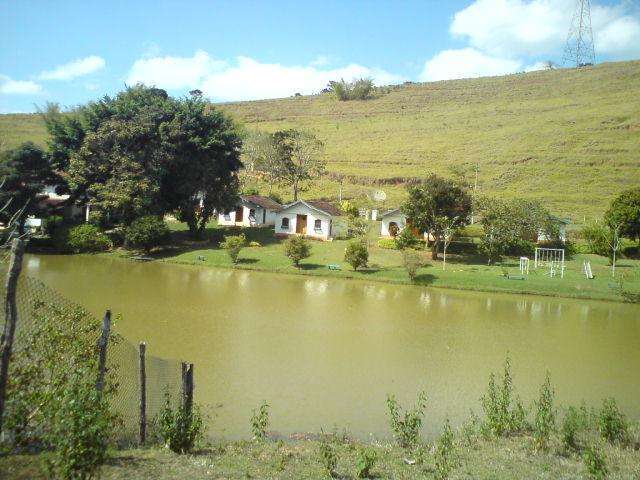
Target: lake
{"type": "Point", "coordinates": [324, 353]}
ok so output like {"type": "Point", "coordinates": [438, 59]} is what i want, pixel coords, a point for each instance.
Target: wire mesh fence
{"type": "Point", "coordinates": [39, 305]}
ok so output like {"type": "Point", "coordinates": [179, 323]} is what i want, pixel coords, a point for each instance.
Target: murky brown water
{"type": "Point", "coordinates": [325, 353]}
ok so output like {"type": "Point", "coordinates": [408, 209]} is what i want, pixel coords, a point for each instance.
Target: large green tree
{"type": "Point", "coordinates": [437, 206]}
{"type": "Point", "coordinates": [24, 172]}
{"type": "Point", "coordinates": [624, 213]}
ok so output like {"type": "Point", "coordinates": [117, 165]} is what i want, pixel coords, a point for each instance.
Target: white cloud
{"type": "Point", "coordinates": [246, 78]}
{"type": "Point", "coordinates": [515, 28]}
{"type": "Point", "coordinates": [466, 63]}
{"type": "Point", "coordinates": [76, 68]}
{"type": "Point", "coordinates": [9, 86]}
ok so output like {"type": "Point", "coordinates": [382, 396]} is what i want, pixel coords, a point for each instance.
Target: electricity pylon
{"type": "Point", "coordinates": [579, 50]}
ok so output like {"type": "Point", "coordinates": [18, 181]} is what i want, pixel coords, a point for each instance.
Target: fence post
{"type": "Point", "coordinates": [102, 351]}
{"type": "Point", "coordinates": [11, 316]}
{"type": "Point", "coordinates": [143, 394]}
{"type": "Point", "coordinates": [187, 387]}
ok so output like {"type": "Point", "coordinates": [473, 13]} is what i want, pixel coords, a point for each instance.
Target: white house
{"type": "Point", "coordinates": [251, 211]}
{"type": "Point", "coordinates": [315, 219]}
{"type": "Point", "coordinates": [392, 223]}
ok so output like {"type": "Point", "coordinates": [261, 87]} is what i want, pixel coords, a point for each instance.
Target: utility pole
{"type": "Point", "coordinates": [579, 49]}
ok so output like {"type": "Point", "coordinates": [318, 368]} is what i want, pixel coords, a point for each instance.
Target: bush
{"type": "Point", "coordinates": [297, 248]}
{"type": "Point", "coordinates": [260, 422]}
{"type": "Point", "coordinates": [180, 429]}
{"type": "Point", "coordinates": [595, 462]}
{"type": "Point", "coordinates": [388, 243]}
{"type": "Point", "coordinates": [80, 239]}
{"type": "Point", "coordinates": [356, 254]}
{"type": "Point", "coordinates": [146, 233]}
{"type": "Point", "coordinates": [80, 425]}
{"type": "Point", "coordinates": [445, 461]}
{"type": "Point", "coordinates": [598, 237]}
{"type": "Point", "coordinates": [574, 424]}
{"type": "Point", "coordinates": [328, 457]}
{"type": "Point", "coordinates": [412, 262]}
{"type": "Point", "coordinates": [357, 90]}
{"type": "Point", "coordinates": [504, 413]}
{"type": "Point", "coordinates": [611, 422]}
{"type": "Point", "coordinates": [357, 227]}
{"type": "Point", "coordinates": [545, 421]}
{"type": "Point", "coordinates": [366, 460]}
{"type": "Point", "coordinates": [233, 244]}
{"type": "Point", "coordinates": [406, 239]}
{"type": "Point", "coordinates": [406, 426]}
{"type": "Point", "coordinates": [254, 244]}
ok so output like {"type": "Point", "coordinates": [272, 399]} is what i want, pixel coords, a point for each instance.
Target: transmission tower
{"type": "Point", "coordinates": [579, 50]}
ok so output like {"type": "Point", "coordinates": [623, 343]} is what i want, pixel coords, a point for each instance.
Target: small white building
{"type": "Point", "coordinates": [251, 211]}
{"type": "Point", "coordinates": [315, 219]}
{"type": "Point", "coordinates": [392, 223]}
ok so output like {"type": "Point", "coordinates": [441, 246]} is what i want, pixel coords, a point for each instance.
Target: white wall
{"type": "Point", "coordinates": [259, 212]}
{"type": "Point", "coordinates": [312, 215]}
{"type": "Point", "coordinates": [398, 218]}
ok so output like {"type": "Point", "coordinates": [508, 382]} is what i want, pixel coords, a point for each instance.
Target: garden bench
{"type": "Point", "coordinates": [334, 267]}
{"type": "Point", "coordinates": [515, 277]}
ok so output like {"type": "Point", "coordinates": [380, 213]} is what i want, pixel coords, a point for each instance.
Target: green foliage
{"type": "Point", "coordinates": [260, 422]}
{"type": "Point", "coordinates": [412, 261]}
{"type": "Point", "coordinates": [504, 413]}
{"type": "Point", "coordinates": [146, 233]}
{"type": "Point", "coordinates": [349, 209]}
{"type": "Point", "coordinates": [437, 206]}
{"type": "Point", "coordinates": [612, 423]}
{"type": "Point", "coordinates": [86, 238]}
{"type": "Point", "coordinates": [596, 462]}
{"type": "Point", "coordinates": [365, 462]}
{"type": "Point", "coordinates": [233, 244]}
{"type": "Point", "coordinates": [406, 239]}
{"type": "Point", "coordinates": [359, 89]}
{"type": "Point", "coordinates": [297, 248]}
{"type": "Point", "coordinates": [445, 461]}
{"type": "Point", "coordinates": [180, 429]}
{"type": "Point", "coordinates": [406, 425]}
{"type": "Point", "coordinates": [253, 243]}
{"type": "Point", "coordinates": [624, 212]}
{"type": "Point", "coordinates": [388, 243]}
{"type": "Point", "coordinates": [79, 428]}
{"type": "Point", "coordinates": [356, 254]}
{"type": "Point", "coordinates": [357, 227]}
{"type": "Point", "coordinates": [599, 238]}
{"type": "Point", "coordinates": [575, 423]}
{"type": "Point", "coordinates": [545, 420]}
{"type": "Point", "coordinates": [328, 457]}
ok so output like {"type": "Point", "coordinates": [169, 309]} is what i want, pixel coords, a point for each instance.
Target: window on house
{"type": "Point", "coordinates": [317, 225]}
{"type": "Point", "coordinates": [227, 217]}
{"type": "Point", "coordinates": [285, 223]}
{"type": "Point", "coordinates": [252, 215]}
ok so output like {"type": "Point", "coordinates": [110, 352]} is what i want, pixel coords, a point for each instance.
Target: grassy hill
{"type": "Point", "coordinates": [568, 137]}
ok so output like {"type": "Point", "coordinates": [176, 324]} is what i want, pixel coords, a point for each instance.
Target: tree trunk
{"type": "Point", "coordinates": [434, 249]}
{"type": "Point", "coordinates": [295, 192]}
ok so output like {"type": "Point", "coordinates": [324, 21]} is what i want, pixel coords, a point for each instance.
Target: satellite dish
{"type": "Point", "coordinates": [379, 196]}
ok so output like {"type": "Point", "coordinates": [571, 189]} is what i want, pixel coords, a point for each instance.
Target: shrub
{"type": "Point", "coordinates": [389, 243]}
{"type": "Point", "coordinates": [574, 424]}
{"type": "Point", "coordinates": [297, 248]}
{"type": "Point", "coordinates": [328, 457]}
{"type": "Point", "coordinates": [598, 238]}
{"type": "Point", "coordinates": [406, 426]}
{"type": "Point", "coordinates": [80, 239]}
{"type": "Point", "coordinates": [611, 422]}
{"type": "Point", "coordinates": [412, 262]}
{"type": "Point", "coordinates": [233, 244]}
{"type": "Point", "coordinates": [504, 414]}
{"type": "Point", "coordinates": [146, 233]}
{"type": "Point", "coordinates": [595, 462]}
{"type": "Point", "coordinates": [406, 239]}
{"type": "Point", "coordinates": [80, 425]}
{"type": "Point", "coordinates": [366, 460]}
{"type": "Point", "coordinates": [254, 244]}
{"type": "Point", "coordinates": [260, 422]}
{"type": "Point", "coordinates": [179, 428]}
{"type": "Point", "coordinates": [357, 227]}
{"type": "Point", "coordinates": [357, 90]}
{"type": "Point", "coordinates": [545, 421]}
{"type": "Point", "coordinates": [445, 461]}
{"type": "Point", "coordinates": [356, 254]}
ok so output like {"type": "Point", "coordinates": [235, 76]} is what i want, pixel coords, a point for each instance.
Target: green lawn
{"type": "Point", "coordinates": [462, 272]}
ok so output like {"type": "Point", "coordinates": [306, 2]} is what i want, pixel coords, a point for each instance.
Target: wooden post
{"type": "Point", "coordinates": [102, 351]}
{"type": "Point", "coordinates": [11, 316]}
{"type": "Point", "coordinates": [187, 387]}
{"type": "Point", "coordinates": [143, 394]}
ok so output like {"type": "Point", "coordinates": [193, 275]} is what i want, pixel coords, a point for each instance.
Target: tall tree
{"type": "Point", "coordinates": [200, 176]}
{"type": "Point", "coordinates": [24, 172]}
{"type": "Point", "coordinates": [437, 206]}
{"type": "Point", "coordinates": [624, 213]}
{"type": "Point", "coordinates": [292, 158]}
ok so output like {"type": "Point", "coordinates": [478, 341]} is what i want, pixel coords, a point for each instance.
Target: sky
{"type": "Point", "coordinates": [70, 52]}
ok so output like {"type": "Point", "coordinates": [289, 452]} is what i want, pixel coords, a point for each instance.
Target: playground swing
{"type": "Point", "coordinates": [553, 257]}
